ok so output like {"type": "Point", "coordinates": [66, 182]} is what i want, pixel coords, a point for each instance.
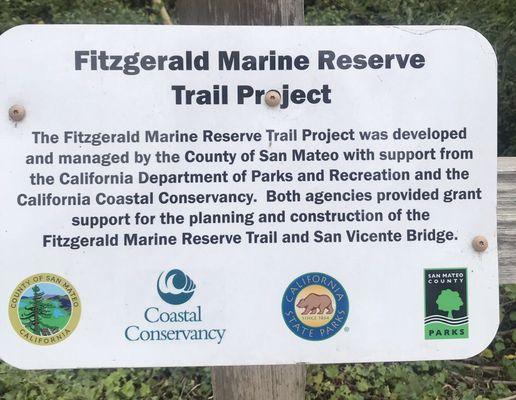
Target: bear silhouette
{"type": "Point", "coordinates": [315, 303]}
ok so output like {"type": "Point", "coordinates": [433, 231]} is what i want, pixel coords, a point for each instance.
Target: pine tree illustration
{"type": "Point", "coordinates": [37, 310]}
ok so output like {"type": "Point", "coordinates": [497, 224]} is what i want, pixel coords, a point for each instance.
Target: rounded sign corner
{"type": "Point", "coordinates": [484, 43]}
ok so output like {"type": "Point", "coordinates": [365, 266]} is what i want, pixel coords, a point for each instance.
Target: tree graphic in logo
{"type": "Point", "coordinates": [449, 301]}
{"type": "Point", "coordinates": [47, 311]}
{"type": "Point", "coordinates": [37, 310]}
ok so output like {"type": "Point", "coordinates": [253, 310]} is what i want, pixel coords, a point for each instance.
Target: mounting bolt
{"type": "Point", "coordinates": [16, 113]}
{"type": "Point", "coordinates": [480, 243]}
{"type": "Point", "coordinates": [272, 98]}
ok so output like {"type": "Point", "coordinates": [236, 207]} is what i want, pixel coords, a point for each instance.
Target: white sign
{"type": "Point", "coordinates": [155, 211]}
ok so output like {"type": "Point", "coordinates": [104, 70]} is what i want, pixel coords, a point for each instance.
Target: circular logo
{"type": "Point", "coordinates": [175, 287]}
{"type": "Point", "coordinates": [315, 306]}
{"type": "Point", "coordinates": [44, 309]}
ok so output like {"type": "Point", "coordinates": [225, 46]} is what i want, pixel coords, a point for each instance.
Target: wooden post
{"type": "Point", "coordinates": [507, 219]}
{"type": "Point", "coordinates": [240, 12]}
{"type": "Point", "coordinates": [280, 382]}
{"type": "Point", "coordinates": [287, 382]}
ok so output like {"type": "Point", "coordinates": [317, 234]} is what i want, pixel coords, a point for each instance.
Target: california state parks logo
{"type": "Point", "coordinates": [315, 306]}
{"type": "Point", "coordinates": [44, 309]}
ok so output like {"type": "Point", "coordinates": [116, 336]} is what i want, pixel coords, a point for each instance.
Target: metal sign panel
{"type": "Point", "coordinates": [246, 195]}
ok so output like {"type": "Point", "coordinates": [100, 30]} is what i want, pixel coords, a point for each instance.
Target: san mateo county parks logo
{"type": "Point", "coordinates": [44, 309]}
{"type": "Point", "coordinates": [175, 287]}
{"type": "Point", "coordinates": [315, 306]}
{"type": "Point", "coordinates": [446, 307]}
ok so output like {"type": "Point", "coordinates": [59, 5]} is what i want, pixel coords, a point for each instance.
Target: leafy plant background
{"type": "Point", "coordinates": [495, 19]}
{"type": "Point", "coordinates": [490, 375]}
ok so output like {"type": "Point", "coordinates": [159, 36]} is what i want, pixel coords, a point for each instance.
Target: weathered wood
{"type": "Point", "coordinates": [265, 382]}
{"type": "Point", "coordinates": [222, 378]}
{"type": "Point", "coordinates": [165, 16]}
{"type": "Point", "coordinates": [288, 381]}
{"type": "Point", "coordinates": [240, 12]}
{"type": "Point", "coordinates": [268, 375]}
{"type": "Point", "coordinates": [507, 218]}
{"type": "Point", "coordinates": [290, 12]}
{"type": "Point", "coordinates": [278, 382]}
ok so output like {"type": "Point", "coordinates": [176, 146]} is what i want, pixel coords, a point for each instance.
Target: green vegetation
{"type": "Point", "coordinates": [495, 19]}
{"type": "Point", "coordinates": [16, 12]}
{"type": "Point", "coordinates": [121, 384]}
{"type": "Point", "coordinates": [490, 375]}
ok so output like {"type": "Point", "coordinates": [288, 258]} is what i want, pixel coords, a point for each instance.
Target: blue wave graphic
{"type": "Point", "coordinates": [175, 287]}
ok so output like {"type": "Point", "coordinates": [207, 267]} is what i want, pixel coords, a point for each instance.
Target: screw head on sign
{"type": "Point", "coordinates": [272, 98]}
{"type": "Point", "coordinates": [480, 243]}
{"type": "Point", "coordinates": [17, 113]}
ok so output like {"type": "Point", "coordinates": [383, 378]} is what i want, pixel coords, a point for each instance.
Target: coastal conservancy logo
{"type": "Point", "coordinates": [175, 287]}
{"type": "Point", "coordinates": [166, 321]}
{"type": "Point", "coordinates": [315, 306]}
{"type": "Point", "coordinates": [446, 307]}
{"type": "Point", "coordinates": [44, 309]}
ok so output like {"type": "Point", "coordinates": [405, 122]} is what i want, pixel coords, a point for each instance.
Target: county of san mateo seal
{"type": "Point", "coordinates": [44, 309]}
{"type": "Point", "coordinates": [315, 306]}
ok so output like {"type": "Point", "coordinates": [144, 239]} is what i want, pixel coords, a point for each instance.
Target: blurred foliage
{"type": "Point", "coordinates": [495, 19]}
{"type": "Point", "coordinates": [490, 375]}
{"type": "Point", "coordinates": [16, 12]}
{"type": "Point", "coordinates": [120, 384]}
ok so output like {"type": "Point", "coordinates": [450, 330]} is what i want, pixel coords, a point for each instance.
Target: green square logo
{"type": "Point", "coordinates": [446, 304]}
